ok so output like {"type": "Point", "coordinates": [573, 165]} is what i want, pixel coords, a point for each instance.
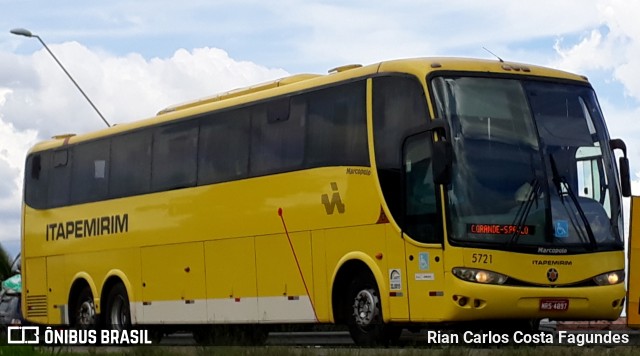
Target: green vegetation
{"type": "Point", "coordinates": [5, 264]}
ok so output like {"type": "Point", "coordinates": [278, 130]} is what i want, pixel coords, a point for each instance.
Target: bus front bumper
{"type": "Point", "coordinates": [474, 301]}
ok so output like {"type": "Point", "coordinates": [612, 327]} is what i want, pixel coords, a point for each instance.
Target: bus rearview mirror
{"type": "Point", "coordinates": [625, 180]}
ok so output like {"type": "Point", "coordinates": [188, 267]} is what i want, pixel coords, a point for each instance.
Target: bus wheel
{"type": "Point", "coordinates": [364, 315]}
{"type": "Point", "coordinates": [118, 315]}
{"type": "Point", "coordinates": [84, 311]}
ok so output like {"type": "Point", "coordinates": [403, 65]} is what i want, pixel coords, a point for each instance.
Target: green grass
{"type": "Point", "coordinates": [320, 351]}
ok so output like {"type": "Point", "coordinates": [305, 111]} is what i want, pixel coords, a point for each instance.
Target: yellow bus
{"type": "Point", "coordinates": [633, 266]}
{"type": "Point", "coordinates": [401, 194]}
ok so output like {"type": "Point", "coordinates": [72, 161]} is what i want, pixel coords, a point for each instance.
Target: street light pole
{"type": "Point", "coordinates": [27, 33]}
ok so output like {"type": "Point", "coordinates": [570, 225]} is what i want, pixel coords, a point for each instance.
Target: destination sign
{"type": "Point", "coordinates": [500, 229]}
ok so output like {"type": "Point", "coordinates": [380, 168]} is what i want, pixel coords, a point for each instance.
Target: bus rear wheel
{"type": "Point", "coordinates": [84, 311]}
{"type": "Point", "coordinates": [118, 314]}
{"type": "Point", "coordinates": [364, 315]}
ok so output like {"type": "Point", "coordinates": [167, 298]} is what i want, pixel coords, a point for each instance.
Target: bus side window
{"type": "Point", "coordinates": [60, 179]}
{"type": "Point", "coordinates": [130, 164]}
{"type": "Point", "coordinates": [89, 178]}
{"type": "Point", "coordinates": [421, 216]}
{"type": "Point", "coordinates": [223, 152]}
{"type": "Point", "coordinates": [174, 157]}
{"type": "Point", "coordinates": [336, 124]}
{"type": "Point", "coordinates": [399, 107]}
{"type": "Point", "coordinates": [277, 143]}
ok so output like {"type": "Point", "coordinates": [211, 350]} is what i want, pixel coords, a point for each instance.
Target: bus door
{"type": "Point", "coordinates": [633, 293]}
{"type": "Point", "coordinates": [422, 230]}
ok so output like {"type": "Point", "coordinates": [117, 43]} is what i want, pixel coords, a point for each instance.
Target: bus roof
{"type": "Point", "coordinates": [295, 83]}
{"type": "Point", "coordinates": [239, 92]}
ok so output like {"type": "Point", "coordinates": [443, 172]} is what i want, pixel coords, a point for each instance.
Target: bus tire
{"type": "Point", "coordinates": [364, 315]}
{"type": "Point", "coordinates": [118, 313]}
{"type": "Point", "coordinates": [84, 311]}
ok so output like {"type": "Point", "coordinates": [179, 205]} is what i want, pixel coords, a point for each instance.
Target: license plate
{"type": "Point", "coordinates": [554, 304]}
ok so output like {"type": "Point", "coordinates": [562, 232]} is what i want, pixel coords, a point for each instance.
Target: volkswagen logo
{"type": "Point", "coordinates": [552, 274]}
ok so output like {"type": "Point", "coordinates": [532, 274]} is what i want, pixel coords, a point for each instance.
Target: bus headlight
{"type": "Point", "coordinates": [609, 278]}
{"type": "Point", "coordinates": [479, 275]}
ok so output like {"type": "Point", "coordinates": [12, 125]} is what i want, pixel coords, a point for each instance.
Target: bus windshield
{"type": "Point", "coordinates": [532, 166]}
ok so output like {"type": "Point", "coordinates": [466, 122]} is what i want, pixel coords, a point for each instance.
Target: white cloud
{"type": "Point", "coordinates": [580, 57]}
{"type": "Point", "coordinates": [37, 100]}
{"type": "Point", "coordinates": [13, 147]}
{"type": "Point", "coordinates": [365, 32]}
{"type": "Point", "coordinates": [613, 50]}
{"type": "Point", "coordinates": [124, 88]}
{"type": "Point", "coordinates": [294, 33]}
{"type": "Point", "coordinates": [614, 46]}
{"type": "Point", "coordinates": [625, 123]}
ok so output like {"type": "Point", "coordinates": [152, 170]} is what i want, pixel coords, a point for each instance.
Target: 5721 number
{"type": "Point", "coordinates": [484, 258]}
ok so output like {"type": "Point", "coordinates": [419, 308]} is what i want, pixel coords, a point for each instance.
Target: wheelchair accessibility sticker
{"type": "Point", "coordinates": [423, 261]}
{"type": "Point", "coordinates": [561, 228]}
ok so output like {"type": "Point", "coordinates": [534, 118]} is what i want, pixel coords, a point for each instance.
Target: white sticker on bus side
{"type": "Point", "coordinates": [425, 277]}
{"type": "Point", "coordinates": [395, 279]}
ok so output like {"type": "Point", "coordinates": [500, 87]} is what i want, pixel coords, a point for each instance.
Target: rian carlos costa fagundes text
{"type": "Point", "coordinates": [520, 337]}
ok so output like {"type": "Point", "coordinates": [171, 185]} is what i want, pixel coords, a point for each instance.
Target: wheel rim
{"type": "Point", "coordinates": [119, 313]}
{"type": "Point", "coordinates": [86, 314]}
{"type": "Point", "coordinates": [364, 307]}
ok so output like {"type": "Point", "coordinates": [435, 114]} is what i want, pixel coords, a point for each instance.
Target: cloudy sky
{"type": "Point", "coordinates": [134, 58]}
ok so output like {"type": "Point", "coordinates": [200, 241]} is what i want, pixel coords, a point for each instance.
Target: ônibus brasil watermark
{"type": "Point", "coordinates": [50, 336]}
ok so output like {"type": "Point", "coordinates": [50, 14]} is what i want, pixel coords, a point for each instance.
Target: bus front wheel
{"type": "Point", "coordinates": [118, 314]}
{"type": "Point", "coordinates": [364, 315]}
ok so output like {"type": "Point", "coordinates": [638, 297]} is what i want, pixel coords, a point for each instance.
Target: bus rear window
{"type": "Point", "coordinates": [35, 183]}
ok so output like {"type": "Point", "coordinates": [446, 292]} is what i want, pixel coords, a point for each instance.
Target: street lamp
{"type": "Point", "coordinates": [27, 33]}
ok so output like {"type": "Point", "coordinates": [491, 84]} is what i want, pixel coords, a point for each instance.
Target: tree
{"type": "Point", "coordinates": [5, 264]}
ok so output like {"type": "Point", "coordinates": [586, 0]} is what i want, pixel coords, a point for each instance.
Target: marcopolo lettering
{"type": "Point", "coordinates": [359, 171]}
{"type": "Point", "coordinates": [99, 226]}
{"type": "Point", "coordinates": [552, 250]}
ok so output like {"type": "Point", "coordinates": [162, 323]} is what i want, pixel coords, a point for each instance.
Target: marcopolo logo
{"type": "Point", "coordinates": [335, 202]}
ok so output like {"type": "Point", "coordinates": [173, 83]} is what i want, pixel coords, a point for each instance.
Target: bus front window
{"type": "Point", "coordinates": [532, 169]}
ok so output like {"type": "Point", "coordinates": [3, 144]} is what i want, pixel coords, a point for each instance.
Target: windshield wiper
{"type": "Point", "coordinates": [523, 211]}
{"type": "Point", "coordinates": [560, 181]}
